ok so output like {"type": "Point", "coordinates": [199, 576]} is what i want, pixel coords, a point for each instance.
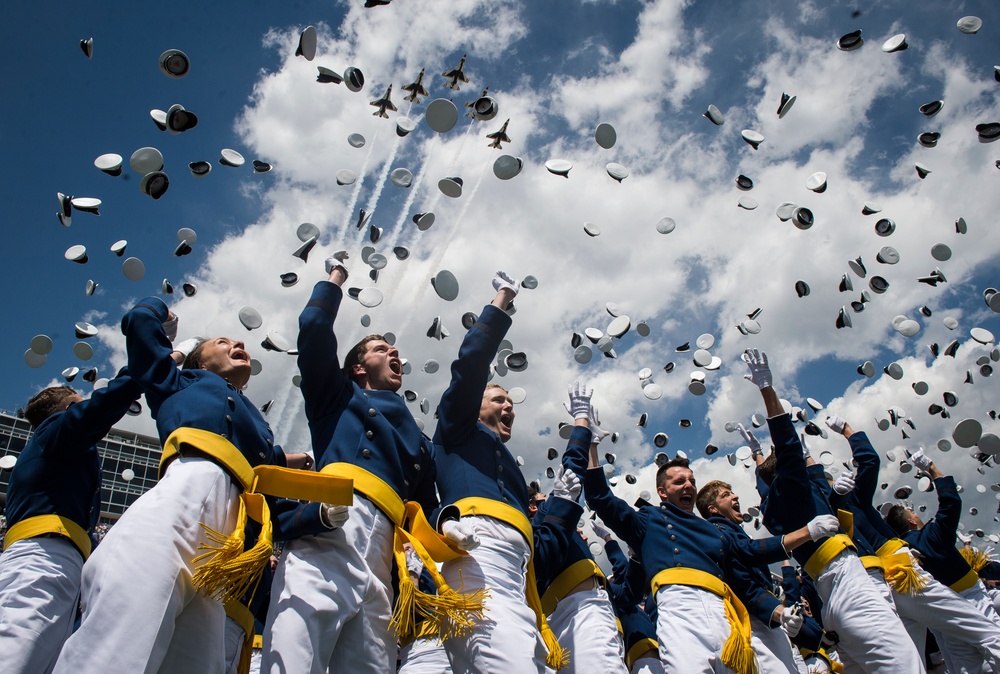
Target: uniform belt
{"type": "Point", "coordinates": [446, 614]}
{"type": "Point", "coordinates": [825, 553]}
{"type": "Point", "coordinates": [566, 582]}
{"type": "Point", "coordinates": [898, 567]}
{"type": "Point", "coordinates": [230, 569]}
{"type": "Point", "coordinates": [873, 562]}
{"type": "Point", "coordinates": [834, 666]}
{"type": "Point", "coordinates": [638, 648]}
{"type": "Point", "coordinates": [737, 651]}
{"type": "Point", "coordinates": [39, 525]}
{"type": "Point", "coordinates": [474, 505]}
{"type": "Point", "coordinates": [241, 614]}
{"type": "Point", "coordinates": [966, 582]}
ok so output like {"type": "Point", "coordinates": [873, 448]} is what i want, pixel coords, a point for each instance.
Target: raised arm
{"type": "Point", "coordinates": [324, 385]}
{"type": "Point", "coordinates": [82, 425]}
{"type": "Point", "coordinates": [941, 531]}
{"type": "Point", "coordinates": [617, 514]}
{"type": "Point", "coordinates": [458, 411]}
{"type": "Point", "coordinates": [149, 351]}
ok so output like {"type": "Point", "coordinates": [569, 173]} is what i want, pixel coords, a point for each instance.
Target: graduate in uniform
{"type": "Point", "coordinates": [53, 501]}
{"type": "Point", "coordinates": [975, 639]}
{"type": "Point", "coordinates": [871, 637]}
{"type": "Point", "coordinates": [332, 597]}
{"type": "Point", "coordinates": [921, 600]}
{"type": "Point", "coordinates": [153, 591]}
{"type": "Point", "coordinates": [772, 622]}
{"type": "Point", "coordinates": [486, 509]}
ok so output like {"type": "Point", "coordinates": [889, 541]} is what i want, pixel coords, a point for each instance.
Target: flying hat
{"type": "Point", "coordinates": [200, 169]}
{"type": "Point", "coordinates": [665, 225]}
{"type": "Point", "coordinates": [850, 41]}
{"type": "Point", "coordinates": [485, 108]}
{"type": "Point", "coordinates": [714, 115]}
{"type": "Point", "coordinates": [302, 252]}
{"type": "Point", "coordinates": [354, 79]}
{"type": "Point", "coordinates": [932, 108]}
{"type": "Point", "coordinates": [801, 288]}
{"type": "Point", "coordinates": [744, 183]}
{"type": "Point", "coordinates": [190, 289]}
{"type": "Point", "coordinates": [231, 158]}
{"type": "Point", "coordinates": [617, 171]}
{"type": "Point", "coordinates": [404, 125]}
{"type": "Point", "coordinates": [346, 177]}
{"type": "Point", "coordinates": [747, 203]}
{"type": "Point", "coordinates": [166, 287]}
{"type": "Point", "coordinates": [591, 229]}
{"type": "Point", "coordinates": [506, 167]}
{"type": "Point", "coordinates": [146, 160]}
{"type": "Point", "coordinates": [441, 115]}
{"type": "Point", "coordinates": [844, 319]}
{"type": "Point", "coordinates": [929, 138]}
{"type": "Point", "coordinates": [110, 163]}
{"type": "Point", "coordinates": [451, 186]}
{"type": "Point", "coordinates": [275, 342]}
{"type": "Point", "coordinates": [988, 132]}
{"type": "Point", "coordinates": [895, 43]}
{"type": "Point", "coordinates": [307, 44]}
{"type": "Point", "coordinates": [87, 46]}
{"type": "Point", "coordinates": [786, 104]}
{"type": "Point", "coordinates": [559, 167]}
{"type": "Point", "coordinates": [77, 253]}
{"type": "Point", "coordinates": [86, 205]}
{"type": "Point", "coordinates": [817, 182]}
{"type": "Point", "coordinates": [887, 255]}
{"type": "Point", "coordinates": [923, 171]}
{"type": "Point", "coordinates": [155, 184]}
{"type": "Point", "coordinates": [606, 136]}
{"type": "Point", "coordinates": [423, 221]}
{"type": "Point", "coordinates": [90, 287]}
{"type": "Point", "coordinates": [159, 118]}
{"type": "Point", "coordinates": [327, 76]}
{"type": "Point", "coordinates": [261, 167]}
{"type": "Point", "coordinates": [753, 138]}
{"type": "Point", "coordinates": [885, 227]}
{"type": "Point", "coordinates": [401, 177]}
{"type": "Point", "coordinates": [970, 25]}
{"type": "Point", "coordinates": [174, 64]}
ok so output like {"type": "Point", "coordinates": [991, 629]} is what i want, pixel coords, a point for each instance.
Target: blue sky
{"type": "Point", "coordinates": [556, 69]}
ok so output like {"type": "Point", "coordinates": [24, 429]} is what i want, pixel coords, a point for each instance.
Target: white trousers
{"type": "Point", "coordinates": [691, 627]}
{"type": "Point", "coordinates": [424, 656]}
{"type": "Point", "coordinates": [993, 595]}
{"type": "Point", "coordinates": [647, 666]}
{"type": "Point", "coordinates": [39, 590]}
{"type": "Point", "coordinates": [773, 649]}
{"type": "Point", "coordinates": [235, 638]}
{"type": "Point", "coordinates": [141, 614]}
{"type": "Point", "coordinates": [508, 641]}
{"type": "Point", "coordinates": [872, 638]}
{"type": "Point", "coordinates": [966, 637]}
{"type": "Point", "coordinates": [331, 600]}
{"type": "Point", "coordinates": [878, 579]}
{"type": "Point", "coordinates": [584, 623]}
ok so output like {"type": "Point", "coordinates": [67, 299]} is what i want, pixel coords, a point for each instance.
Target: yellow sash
{"type": "Point", "coordinates": [834, 666]}
{"type": "Point", "coordinates": [846, 519]}
{"type": "Point", "coordinates": [825, 553]}
{"type": "Point", "coordinates": [640, 647]}
{"type": "Point", "coordinates": [965, 582]}
{"type": "Point", "coordinates": [898, 566]}
{"type": "Point", "coordinates": [558, 657]}
{"type": "Point", "coordinates": [873, 562]}
{"type": "Point", "coordinates": [49, 524]}
{"type": "Point", "coordinates": [443, 615]}
{"type": "Point", "coordinates": [570, 577]}
{"type": "Point", "coordinates": [737, 652]}
{"type": "Point", "coordinates": [229, 570]}
{"type": "Point", "coordinates": [241, 614]}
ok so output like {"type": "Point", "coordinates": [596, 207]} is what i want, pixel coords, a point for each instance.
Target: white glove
{"type": "Point", "coordinates": [816, 665]}
{"type": "Point", "coordinates": [966, 539]}
{"type": "Point", "coordinates": [844, 484]}
{"type": "Point", "coordinates": [414, 565]}
{"type": "Point", "coordinates": [805, 447]}
{"type": "Point", "coordinates": [791, 621]}
{"type": "Point", "coordinates": [567, 485]}
{"type": "Point", "coordinates": [836, 423]}
{"type": "Point", "coordinates": [760, 373]}
{"type": "Point", "coordinates": [579, 401]}
{"type": "Point", "coordinates": [822, 526]}
{"type": "Point", "coordinates": [332, 263]}
{"type": "Point", "coordinates": [170, 328]}
{"type": "Point", "coordinates": [503, 280]}
{"type": "Point", "coordinates": [599, 530]}
{"type": "Point", "coordinates": [596, 432]}
{"type": "Point", "coordinates": [462, 534]}
{"type": "Point", "coordinates": [187, 346]}
{"type": "Point", "coordinates": [921, 460]}
{"type": "Point", "coordinates": [752, 442]}
{"type": "Point", "coordinates": [333, 516]}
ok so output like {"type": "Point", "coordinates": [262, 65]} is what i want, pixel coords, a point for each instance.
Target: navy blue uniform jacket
{"type": "Point", "coordinates": [935, 543]}
{"type": "Point", "coordinates": [751, 583]}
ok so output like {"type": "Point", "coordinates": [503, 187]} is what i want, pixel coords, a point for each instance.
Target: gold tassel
{"type": "Point", "coordinates": [558, 657]}
{"type": "Point", "coordinates": [230, 570]}
{"type": "Point", "coordinates": [737, 651]}
{"type": "Point", "coordinates": [976, 558]}
{"type": "Point", "coordinates": [901, 575]}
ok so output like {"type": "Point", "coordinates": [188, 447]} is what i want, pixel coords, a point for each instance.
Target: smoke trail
{"type": "Point", "coordinates": [380, 184]}
{"type": "Point", "coordinates": [451, 167]}
{"type": "Point", "coordinates": [349, 211]}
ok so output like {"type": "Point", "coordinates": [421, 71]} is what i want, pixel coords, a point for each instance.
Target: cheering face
{"type": "Point", "coordinates": [497, 412]}
{"type": "Point", "coordinates": [727, 505]}
{"type": "Point", "coordinates": [381, 366]}
{"type": "Point", "coordinates": [679, 488]}
{"type": "Point", "coordinates": [227, 358]}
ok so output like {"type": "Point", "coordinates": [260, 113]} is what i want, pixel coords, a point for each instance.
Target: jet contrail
{"type": "Point", "coordinates": [380, 184]}
{"type": "Point", "coordinates": [451, 167]}
{"type": "Point", "coordinates": [349, 211]}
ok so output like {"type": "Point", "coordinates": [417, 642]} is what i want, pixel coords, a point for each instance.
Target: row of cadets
{"type": "Point", "coordinates": [573, 588]}
{"type": "Point", "coordinates": [332, 600]}
{"type": "Point", "coordinates": [972, 638]}
{"type": "Point", "coordinates": [963, 633]}
{"type": "Point", "coordinates": [152, 597]}
{"type": "Point", "coordinates": [626, 590]}
{"type": "Point", "coordinates": [870, 635]}
{"type": "Point", "coordinates": [53, 503]}
{"type": "Point", "coordinates": [771, 621]}
{"type": "Point", "coordinates": [702, 626]}
{"type": "Point", "coordinates": [486, 509]}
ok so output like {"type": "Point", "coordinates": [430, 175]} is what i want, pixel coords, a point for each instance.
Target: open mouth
{"type": "Point", "coordinates": [507, 420]}
{"type": "Point", "coordinates": [396, 367]}
{"type": "Point", "coordinates": [240, 354]}
{"type": "Point", "coordinates": [736, 507]}
{"type": "Point", "coordinates": [686, 500]}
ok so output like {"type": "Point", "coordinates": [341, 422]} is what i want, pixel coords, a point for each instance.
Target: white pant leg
{"type": "Point", "coordinates": [966, 636]}
{"type": "Point", "coordinates": [507, 641]}
{"type": "Point", "coordinates": [424, 656]}
{"type": "Point", "coordinates": [584, 623]}
{"type": "Point", "coordinates": [871, 634]}
{"type": "Point", "coordinates": [647, 666]}
{"type": "Point", "coordinates": [235, 638]}
{"type": "Point", "coordinates": [691, 628]}
{"type": "Point", "coordinates": [255, 658]}
{"type": "Point", "coordinates": [39, 590]}
{"type": "Point", "coordinates": [773, 649]}
{"type": "Point", "coordinates": [331, 600]}
{"type": "Point", "coordinates": [800, 664]}
{"type": "Point", "coordinates": [141, 613]}
{"type": "Point", "coordinates": [878, 580]}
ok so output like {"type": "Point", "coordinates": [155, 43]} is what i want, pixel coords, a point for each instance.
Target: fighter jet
{"type": "Point", "coordinates": [457, 75]}
{"type": "Point", "coordinates": [416, 88]}
{"type": "Point", "coordinates": [499, 136]}
{"type": "Point", "coordinates": [383, 103]}
{"type": "Point", "coordinates": [472, 104]}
